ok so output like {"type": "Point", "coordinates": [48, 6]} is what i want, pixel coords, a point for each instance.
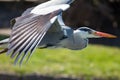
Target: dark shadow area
{"type": "Point", "coordinates": [40, 77]}
{"type": "Point", "coordinates": [10, 10]}
{"type": "Point", "coordinates": [105, 41]}
{"type": "Point", "coordinates": [31, 77]}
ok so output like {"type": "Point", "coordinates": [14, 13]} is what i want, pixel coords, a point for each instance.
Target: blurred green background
{"type": "Point", "coordinates": [99, 61]}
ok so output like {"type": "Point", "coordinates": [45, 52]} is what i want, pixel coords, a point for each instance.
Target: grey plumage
{"type": "Point", "coordinates": [37, 26]}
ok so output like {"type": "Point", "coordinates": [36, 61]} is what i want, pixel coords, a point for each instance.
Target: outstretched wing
{"type": "Point", "coordinates": [27, 33]}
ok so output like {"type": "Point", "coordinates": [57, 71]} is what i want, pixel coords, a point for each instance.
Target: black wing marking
{"type": "Point", "coordinates": [27, 33]}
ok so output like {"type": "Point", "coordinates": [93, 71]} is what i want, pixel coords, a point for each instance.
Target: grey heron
{"type": "Point", "coordinates": [35, 28]}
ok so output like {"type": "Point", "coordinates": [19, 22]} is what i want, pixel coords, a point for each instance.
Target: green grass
{"type": "Point", "coordinates": [95, 60]}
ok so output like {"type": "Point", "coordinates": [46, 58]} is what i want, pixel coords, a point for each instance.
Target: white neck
{"type": "Point", "coordinates": [80, 34]}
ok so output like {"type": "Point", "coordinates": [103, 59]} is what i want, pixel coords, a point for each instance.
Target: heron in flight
{"type": "Point", "coordinates": [43, 26]}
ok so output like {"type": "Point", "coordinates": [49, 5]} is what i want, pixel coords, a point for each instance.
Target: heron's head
{"type": "Point", "coordinates": [86, 32]}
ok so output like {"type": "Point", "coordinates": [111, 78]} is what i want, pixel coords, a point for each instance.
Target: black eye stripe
{"type": "Point", "coordinates": [86, 30]}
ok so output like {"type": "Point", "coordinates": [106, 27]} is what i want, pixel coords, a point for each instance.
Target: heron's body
{"type": "Point", "coordinates": [74, 42]}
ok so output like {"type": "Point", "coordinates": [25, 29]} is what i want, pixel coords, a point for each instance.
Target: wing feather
{"type": "Point", "coordinates": [27, 33]}
{"type": "Point", "coordinates": [32, 48]}
{"type": "Point", "coordinates": [22, 35]}
{"type": "Point", "coordinates": [21, 50]}
{"type": "Point", "coordinates": [26, 39]}
{"type": "Point", "coordinates": [15, 43]}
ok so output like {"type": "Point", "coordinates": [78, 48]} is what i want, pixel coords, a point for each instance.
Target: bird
{"type": "Point", "coordinates": [80, 38]}
{"type": "Point", "coordinates": [43, 26]}
{"type": "Point", "coordinates": [75, 41]}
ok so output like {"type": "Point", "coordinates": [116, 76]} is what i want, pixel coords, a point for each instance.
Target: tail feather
{"type": "Point", "coordinates": [4, 41]}
{"type": "Point", "coordinates": [3, 44]}
{"type": "Point", "coordinates": [3, 50]}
